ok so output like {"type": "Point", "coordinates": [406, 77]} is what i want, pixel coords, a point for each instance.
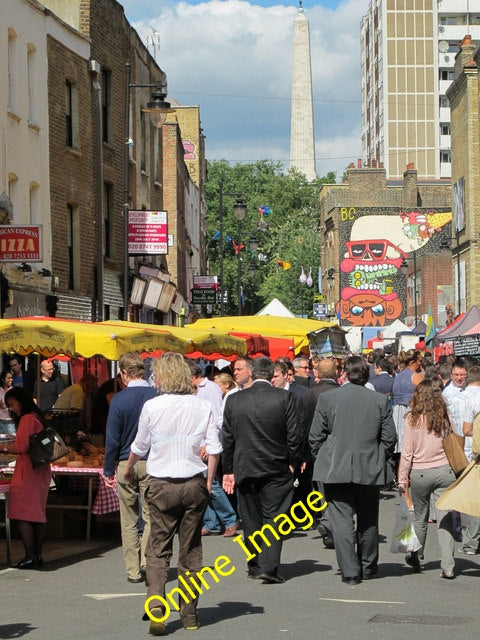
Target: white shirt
{"type": "Point", "coordinates": [172, 428]}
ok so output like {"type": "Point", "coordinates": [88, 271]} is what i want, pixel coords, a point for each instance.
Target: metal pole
{"type": "Point", "coordinates": [220, 243]}
{"type": "Point", "coordinates": [459, 288]}
{"type": "Point", "coordinates": [415, 286]}
{"type": "Point", "coordinates": [239, 272]}
{"type": "Point", "coordinates": [126, 191]}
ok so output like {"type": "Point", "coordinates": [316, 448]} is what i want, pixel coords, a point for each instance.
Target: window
{"type": "Point", "coordinates": [107, 219]}
{"type": "Point", "coordinates": [445, 156]}
{"type": "Point", "coordinates": [445, 74]}
{"type": "Point", "coordinates": [32, 85]}
{"type": "Point", "coordinates": [12, 72]}
{"type": "Point", "coordinates": [34, 203]}
{"type": "Point", "coordinates": [143, 150]}
{"type": "Point", "coordinates": [445, 129]}
{"type": "Point", "coordinates": [12, 195]}
{"type": "Point", "coordinates": [106, 90]}
{"type": "Point", "coordinates": [444, 102]}
{"type": "Point", "coordinates": [68, 114]}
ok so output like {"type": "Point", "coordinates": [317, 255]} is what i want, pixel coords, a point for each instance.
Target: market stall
{"type": "Point", "coordinates": [295, 329]}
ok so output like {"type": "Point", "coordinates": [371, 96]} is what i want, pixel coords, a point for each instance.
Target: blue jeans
{"type": "Point", "coordinates": [219, 510]}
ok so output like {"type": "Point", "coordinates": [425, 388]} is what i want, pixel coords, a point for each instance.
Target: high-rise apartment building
{"type": "Point", "coordinates": [408, 51]}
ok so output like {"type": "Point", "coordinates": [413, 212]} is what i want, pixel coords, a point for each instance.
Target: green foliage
{"type": "Point", "coordinates": [292, 235]}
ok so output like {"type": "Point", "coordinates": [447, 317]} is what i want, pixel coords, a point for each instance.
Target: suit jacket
{"type": "Point", "coordinates": [308, 402]}
{"type": "Point", "coordinates": [261, 437]}
{"type": "Point", "coordinates": [352, 436]}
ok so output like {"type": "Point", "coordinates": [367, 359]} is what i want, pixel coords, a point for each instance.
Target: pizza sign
{"type": "Point", "coordinates": [20, 243]}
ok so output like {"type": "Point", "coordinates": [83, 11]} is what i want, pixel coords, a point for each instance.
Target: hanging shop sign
{"type": "Point", "coordinates": [20, 243]}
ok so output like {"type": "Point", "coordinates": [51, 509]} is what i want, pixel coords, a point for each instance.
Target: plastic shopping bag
{"type": "Point", "coordinates": [404, 538]}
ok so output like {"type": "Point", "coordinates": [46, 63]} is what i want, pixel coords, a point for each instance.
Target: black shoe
{"type": "Point", "coordinates": [412, 560]}
{"type": "Point", "coordinates": [39, 560]}
{"type": "Point", "coordinates": [328, 542]}
{"type": "Point", "coordinates": [352, 582]}
{"type": "Point", "coordinates": [26, 563]}
{"type": "Point", "coordinates": [135, 580]}
{"type": "Point", "coordinates": [271, 578]}
{"type": "Point", "coordinates": [253, 576]}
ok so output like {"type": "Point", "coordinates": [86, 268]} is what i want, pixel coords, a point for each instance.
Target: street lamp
{"type": "Point", "coordinates": [158, 109]}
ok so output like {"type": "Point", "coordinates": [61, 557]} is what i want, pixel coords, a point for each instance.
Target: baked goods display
{"type": "Point", "coordinates": [88, 456]}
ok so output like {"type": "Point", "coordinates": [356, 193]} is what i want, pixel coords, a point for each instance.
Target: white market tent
{"type": "Point", "coordinates": [275, 308]}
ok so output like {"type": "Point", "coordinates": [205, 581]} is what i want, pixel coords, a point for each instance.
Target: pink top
{"type": "Point", "coordinates": [422, 449]}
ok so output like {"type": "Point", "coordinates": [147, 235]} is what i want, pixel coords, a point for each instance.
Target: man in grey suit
{"type": "Point", "coordinates": [352, 436]}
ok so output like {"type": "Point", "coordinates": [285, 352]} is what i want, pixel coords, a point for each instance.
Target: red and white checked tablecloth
{"type": "Point", "coordinates": [106, 500]}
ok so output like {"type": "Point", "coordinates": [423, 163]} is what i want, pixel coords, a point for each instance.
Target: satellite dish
{"type": "Point", "coordinates": [443, 46]}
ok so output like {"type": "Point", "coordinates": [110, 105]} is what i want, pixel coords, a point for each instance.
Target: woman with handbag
{"type": "Point", "coordinates": [29, 486]}
{"type": "Point", "coordinates": [424, 460]}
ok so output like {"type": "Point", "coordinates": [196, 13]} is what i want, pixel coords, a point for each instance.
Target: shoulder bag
{"type": "Point", "coordinates": [453, 445]}
{"type": "Point", "coordinates": [46, 446]}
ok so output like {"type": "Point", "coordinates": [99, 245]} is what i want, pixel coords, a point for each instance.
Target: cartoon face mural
{"type": "Point", "coordinates": [375, 248]}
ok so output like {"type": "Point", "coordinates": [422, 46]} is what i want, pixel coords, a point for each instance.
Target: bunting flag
{"type": "Point", "coordinates": [238, 247]}
{"type": "Point", "coordinates": [282, 263]}
{"type": "Point", "coordinates": [216, 235]}
{"type": "Point", "coordinates": [431, 330]}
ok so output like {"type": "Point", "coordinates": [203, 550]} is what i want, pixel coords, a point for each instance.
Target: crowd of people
{"type": "Point", "coordinates": [196, 452]}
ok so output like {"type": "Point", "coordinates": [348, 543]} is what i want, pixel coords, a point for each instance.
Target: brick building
{"type": "Point", "coordinates": [80, 149]}
{"type": "Point", "coordinates": [384, 240]}
{"type": "Point", "coordinates": [464, 102]}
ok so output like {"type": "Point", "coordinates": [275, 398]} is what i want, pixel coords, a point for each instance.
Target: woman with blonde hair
{"type": "Point", "coordinates": [423, 459]}
{"type": "Point", "coordinates": [225, 382]}
{"type": "Point", "coordinates": [171, 429]}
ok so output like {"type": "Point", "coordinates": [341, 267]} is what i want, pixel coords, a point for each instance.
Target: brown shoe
{"type": "Point", "coordinates": [230, 531]}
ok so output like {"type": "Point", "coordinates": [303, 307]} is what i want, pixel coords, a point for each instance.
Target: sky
{"type": "Point", "coordinates": [233, 58]}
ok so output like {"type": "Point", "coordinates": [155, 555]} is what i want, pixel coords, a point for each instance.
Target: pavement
{"type": "Point", "coordinates": [82, 592]}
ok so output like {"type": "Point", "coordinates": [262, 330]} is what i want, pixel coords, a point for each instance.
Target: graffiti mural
{"type": "Point", "coordinates": [372, 287]}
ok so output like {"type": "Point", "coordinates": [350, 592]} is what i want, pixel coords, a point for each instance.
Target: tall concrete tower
{"type": "Point", "coordinates": [302, 140]}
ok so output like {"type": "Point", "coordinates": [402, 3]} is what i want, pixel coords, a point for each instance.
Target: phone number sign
{"type": "Point", "coordinates": [20, 243]}
{"type": "Point", "coordinates": [147, 232]}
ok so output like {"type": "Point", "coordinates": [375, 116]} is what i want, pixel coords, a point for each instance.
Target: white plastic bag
{"type": "Point", "coordinates": [404, 538]}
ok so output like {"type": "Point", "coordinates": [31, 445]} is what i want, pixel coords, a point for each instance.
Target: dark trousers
{"type": "Point", "coordinates": [356, 548]}
{"type": "Point", "coordinates": [175, 506]}
{"type": "Point", "coordinates": [260, 501]}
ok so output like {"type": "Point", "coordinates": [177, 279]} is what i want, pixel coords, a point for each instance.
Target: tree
{"type": "Point", "coordinates": [292, 235]}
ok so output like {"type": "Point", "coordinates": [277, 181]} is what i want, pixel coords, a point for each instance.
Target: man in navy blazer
{"type": "Point", "coordinates": [352, 436]}
{"type": "Point", "coordinates": [122, 426]}
{"type": "Point", "coordinates": [262, 444]}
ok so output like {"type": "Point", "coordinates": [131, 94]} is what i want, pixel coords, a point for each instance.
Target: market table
{"type": "Point", "coordinates": [5, 489]}
{"type": "Point", "coordinates": [106, 500]}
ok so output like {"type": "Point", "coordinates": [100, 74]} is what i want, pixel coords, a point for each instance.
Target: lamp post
{"type": "Point", "coordinates": [158, 110]}
{"type": "Point", "coordinates": [404, 267]}
{"type": "Point", "coordinates": [239, 209]}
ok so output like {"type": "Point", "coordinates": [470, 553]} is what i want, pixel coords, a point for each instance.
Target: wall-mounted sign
{"type": "Point", "coordinates": [147, 233]}
{"type": "Point", "coordinates": [203, 296]}
{"type": "Point", "coordinates": [20, 243]}
{"type": "Point", "coordinates": [467, 345]}
{"type": "Point", "coordinates": [205, 282]}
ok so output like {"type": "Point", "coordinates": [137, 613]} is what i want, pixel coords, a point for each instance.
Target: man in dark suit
{"type": "Point", "coordinates": [351, 437]}
{"type": "Point", "coordinates": [326, 371]}
{"type": "Point", "coordinates": [261, 446]}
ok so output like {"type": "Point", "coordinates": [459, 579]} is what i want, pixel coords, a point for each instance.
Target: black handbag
{"type": "Point", "coordinates": [45, 447]}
